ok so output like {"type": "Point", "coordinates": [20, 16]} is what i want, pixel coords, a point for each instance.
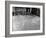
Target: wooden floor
{"type": "Point", "coordinates": [26, 22]}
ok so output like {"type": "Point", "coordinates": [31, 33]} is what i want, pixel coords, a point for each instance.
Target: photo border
{"type": "Point", "coordinates": [7, 18]}
{"type": "Point", "coordinates": [30, 31]}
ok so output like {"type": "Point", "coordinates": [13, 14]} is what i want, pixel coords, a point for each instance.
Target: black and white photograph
{"type": "Point", "coordinates": [25, 18]}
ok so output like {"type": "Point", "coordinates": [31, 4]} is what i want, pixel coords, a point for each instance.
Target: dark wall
{"type": "Point", "coordinates": [26, 11]}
